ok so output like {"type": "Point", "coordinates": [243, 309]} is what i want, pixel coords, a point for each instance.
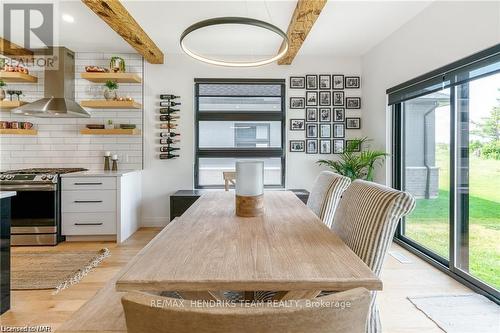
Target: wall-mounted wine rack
{"type": "Point", "coordinates": [168, 125]}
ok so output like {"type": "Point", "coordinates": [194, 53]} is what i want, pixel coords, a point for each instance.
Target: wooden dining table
{"type": "Point", "coordinates": [209, 248]}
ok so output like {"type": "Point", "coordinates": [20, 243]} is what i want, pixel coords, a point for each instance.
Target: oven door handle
{"type": "Point", "coordinates": [28, 187]}
{"type": "Point", "coordinates": [87, 201]}
{"type": "Point", "coordinates": [96, 223]}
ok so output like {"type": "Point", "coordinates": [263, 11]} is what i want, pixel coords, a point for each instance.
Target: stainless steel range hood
{"type": "Point", "coordinates": [59, 91]}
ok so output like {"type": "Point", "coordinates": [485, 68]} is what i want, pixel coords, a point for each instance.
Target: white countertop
{"type": "Point", "coordinates": [7, 194]}
{"type": "Point", "coordinates": [96, 173]}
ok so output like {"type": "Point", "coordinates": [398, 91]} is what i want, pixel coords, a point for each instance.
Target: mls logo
{"type": "Point", "coordinates": [32, 23]}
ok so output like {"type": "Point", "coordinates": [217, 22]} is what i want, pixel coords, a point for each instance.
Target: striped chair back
{"type": "Point", "coordinates": [367, 217]}
{"type": "Point", "coordinates": [325, 195]}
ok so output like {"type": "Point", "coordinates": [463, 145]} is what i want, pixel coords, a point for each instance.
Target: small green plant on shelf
{"type": "Point", "coordinates": [2, 92]}
{"type": "Point", "coordinates": [117, 64]}
{"type": "Point", "coordinates": [110, 91]}
{"type": "Point", "coordinates": [356, 162]}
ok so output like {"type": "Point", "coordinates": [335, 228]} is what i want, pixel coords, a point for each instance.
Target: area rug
{"type": "Point", "coordinates": [460, 313]}
{"type": "Point", "coordinates": [52, 270]}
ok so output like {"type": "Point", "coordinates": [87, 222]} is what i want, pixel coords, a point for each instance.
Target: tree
{"type": "Point", "coordinates": [489, 128]}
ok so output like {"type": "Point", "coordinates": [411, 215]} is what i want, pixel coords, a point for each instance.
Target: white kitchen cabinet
{"type": "Point", "coordinates": [100, 205]}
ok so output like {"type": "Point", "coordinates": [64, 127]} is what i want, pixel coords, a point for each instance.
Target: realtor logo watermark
{"type": "Point", "coordinates": [30, 26]}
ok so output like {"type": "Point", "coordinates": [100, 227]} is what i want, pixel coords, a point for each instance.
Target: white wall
{"type": "Point", "coordinates": [442, 33]}
{"type": "Point", "coordinates": [163, 177]}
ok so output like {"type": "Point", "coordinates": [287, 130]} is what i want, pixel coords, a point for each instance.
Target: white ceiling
{"type": "Point", "coordinates": [348, 28]}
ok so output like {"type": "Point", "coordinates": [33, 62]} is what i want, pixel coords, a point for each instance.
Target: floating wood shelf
{"type": "Point", "coordinates": [18, 131]}
{"type": "Point", "coordinates": [7, 105]}
{"type": "Point", "coordinates": [17, 77]}
{"type": "Point", "coordinates": [103, 104]}
{"type": "Point", "coordinates": [116, 131]}
{"type": "Point", "coordinates": [118, 77]}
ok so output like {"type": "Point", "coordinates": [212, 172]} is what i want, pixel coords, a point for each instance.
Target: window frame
{"type": "Point", "coordinates": [270, 152]}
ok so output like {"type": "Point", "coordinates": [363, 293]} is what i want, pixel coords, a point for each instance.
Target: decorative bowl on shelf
{"type": "Point", "coordinates": [96, 69]}
{"type": "Point", "coordinates": [95, 126]}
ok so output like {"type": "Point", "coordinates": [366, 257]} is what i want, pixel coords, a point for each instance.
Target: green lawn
{"type": "Point", "coordinates": [428, 224]}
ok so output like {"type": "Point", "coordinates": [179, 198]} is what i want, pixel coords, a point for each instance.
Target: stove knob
{"type": "Point", "coordinates": [44, 177]}
{"type": "Point", "coordinates": [50, 177]}
{"type": "Point", "coordinates": [2, 177]}
{"type": "Point", "coordinates": [9, 177]}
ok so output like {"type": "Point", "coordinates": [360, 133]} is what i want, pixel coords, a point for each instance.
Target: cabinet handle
{"type": "Point", "coordinates": [87, 201]}
{"type": "Point", "coordinates": [99, 223]}
{"type": "Point", "coordinates": [87, 183]}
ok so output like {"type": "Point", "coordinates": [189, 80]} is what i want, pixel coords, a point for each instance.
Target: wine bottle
{"type": "Point", "coordinates": [164, 117]}
{"type": "Point", "coordinates": [168, 134]}
{"type": "Point", "coordinates": [168, 141]}
{"type": "Point", "coordinates": [168, 126]}
{"type": "Point", "coordinates": [169, 103]}
{"type": "Point", "coordinates": [168, 110]}
{"type": "Point", "coordinates": [168, 149]}
{"type": "Point", "coordinates": [168, 96]}
{"type": "Point", "coordinates": [167, 156]}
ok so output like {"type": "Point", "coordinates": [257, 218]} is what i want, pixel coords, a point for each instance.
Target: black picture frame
{"type": "Point", "coordinates": [311, 82]}
{"type": "Point", "coordinates": [300, 79]}
{"type": "Point", "coordinates": [312, 146]}
{"type": "Point", "coordinates": [325, 98]}
{"type": "Point", "coordinates": [338, 114]}
{"type": "Point", "coordinates": [353, 145]}
{"type": "Point", "coordinates": [295, 150]}
{"type": "Point", "coordinates": [297, 99]}
{"type": "Point", "coordinates": [328, 149]}
{"type": "Point", "coordinates": [342, 131]}
{"type": "Point", "coordinates": [325, 82]}
{"type": "Point", "coordinates": [313, 132]}
{"type": "Point", "coordinates": [338, 82]}
{"type": "Point", "coordinates": [352, 82]}
{"type": "Point", "coordinates": [325, 115]}
{"type": "Point", "coordinates": [349, 120]}
{"type": "Point", "coordinates": [311, 98]}
{"type": "Point", "coordinates": [325, 131]}
{"type": "Point", "coordinates": [294, 128]}
{"type": "Point", "coordinates": [311, 114]}
{"type": "Point", "coordinates": [335, 143]}
{"type": "Point", "coordinates": [353, 103]}
{"type": "Point", "coordinates": [338, 98]}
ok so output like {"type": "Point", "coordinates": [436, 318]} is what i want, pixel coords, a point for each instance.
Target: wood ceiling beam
{"type": "Point", "coordinates": [119, 19]}
{"type": "Point", "coordinates": [14, 51]}
{"type": "Point", "coordinates": [305, 15]}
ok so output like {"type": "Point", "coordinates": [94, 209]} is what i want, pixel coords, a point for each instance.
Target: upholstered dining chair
{"type": "Point", "coordinates": [325, 195]}
{"type": "Point", "coordinates": [150, 313]}
{"type": "Point", "coordinates": [366, 220]}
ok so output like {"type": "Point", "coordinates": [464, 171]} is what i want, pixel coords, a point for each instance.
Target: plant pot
{"type": "Point", "coordinates": [110, 95]}
{"type": "Point", "coordinates": [109, 126]}
{"type": "Point", "coordinates": [2, 94]}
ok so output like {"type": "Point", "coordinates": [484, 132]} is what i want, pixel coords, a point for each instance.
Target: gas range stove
{"type": "Point", "coordinates": [34, 175]}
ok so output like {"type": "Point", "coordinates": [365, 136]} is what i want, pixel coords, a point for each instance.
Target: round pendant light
{"type": "Point", "coordinates": [234, 20]}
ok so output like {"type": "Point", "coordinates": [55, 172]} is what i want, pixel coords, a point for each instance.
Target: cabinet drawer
{"type": "Point", "coordinates": [89, 183]}
{"type": "Point", "coordinates": [88, 224]}
{"type": "Point", "coordinates": [88, 201]}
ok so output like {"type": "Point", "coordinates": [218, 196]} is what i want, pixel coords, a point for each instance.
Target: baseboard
{"type": "Point", "coordinates": [154, 221]}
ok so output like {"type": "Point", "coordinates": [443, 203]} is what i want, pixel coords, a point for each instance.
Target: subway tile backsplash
{"type": "Point", "coordinates": [59, 142]}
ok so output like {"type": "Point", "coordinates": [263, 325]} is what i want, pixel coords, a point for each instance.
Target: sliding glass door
{"type": "Point", "coordinates": [446, 128]}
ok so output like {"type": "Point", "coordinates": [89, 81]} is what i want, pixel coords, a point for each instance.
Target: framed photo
{"type": "Point", "coordinates": [353, 145]}
{"type": "Point", "coordinates": [338, 130]}
{"type": "Point", "coordinates": [339, 114]}
{"type": "Point", "coordinates": [311, 114]}
{"type": "Point", "coordinates": [297, 125]}
{"type": "Point", "coordinates": [338, 82]}
{"type": "Point", "coordinates": [311, 130]}
{"type": "Point", "coordinates": [325, 82]}
{"type": "Point", "coordinates": [325, 130]}
{"type": "Point", "coordinates": [338, 146]}
{"type": "Point", "coordinates": [297, 82]}
{"type": "Point", "coordinates": [352, 82]}
{"type": "Point", "coordinates": [312, 146]}
{"type": "Point", "coordinates": [311, 98]}
{"type": "Point", "coordinates": [297, 102]}
{"type": "Point", "coordinates": [353, 123]}
{"type": "Point", "coordinates": [325, 98]}
{"type": "Point", "coordinates": [325, 114]}
{"type": "Point", "coordinates": [325, 146]}
{"type": "Point", "coordinates": [297, 146]}
{"type": "Point", "coordinates": [311, 82]}
{"type": "Point", "coordinates": [353, 103]}
{"type": "Point", "coordinates": [338, 98]}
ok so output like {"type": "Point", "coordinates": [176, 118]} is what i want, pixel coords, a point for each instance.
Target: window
{"type": "Point", "coordinates": [239, 119]}
{"type": "Point", "coordinates": [447, 154]}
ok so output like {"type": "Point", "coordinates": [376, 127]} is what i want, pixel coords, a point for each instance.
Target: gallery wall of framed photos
{"type": "Point", "coordinates": [324, 112]}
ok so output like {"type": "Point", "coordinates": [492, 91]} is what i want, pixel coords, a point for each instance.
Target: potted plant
{"type": "Point", "coordinates": [355, 162]}
{"type": "Point", "coordinates": [117, 64]}
{"type": "Point", "coordinates": [110, 91]}
{"type": "Point", "coordinates": [109, 124]}
{"type": "Point", "coordinates": [2, 92]}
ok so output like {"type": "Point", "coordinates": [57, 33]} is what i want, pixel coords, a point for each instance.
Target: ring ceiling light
{"type": "Point", "coordinates": [234, 20]}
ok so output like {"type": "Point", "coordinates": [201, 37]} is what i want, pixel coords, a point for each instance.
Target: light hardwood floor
{"type": "Point", "coordinates": [397, 313]}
